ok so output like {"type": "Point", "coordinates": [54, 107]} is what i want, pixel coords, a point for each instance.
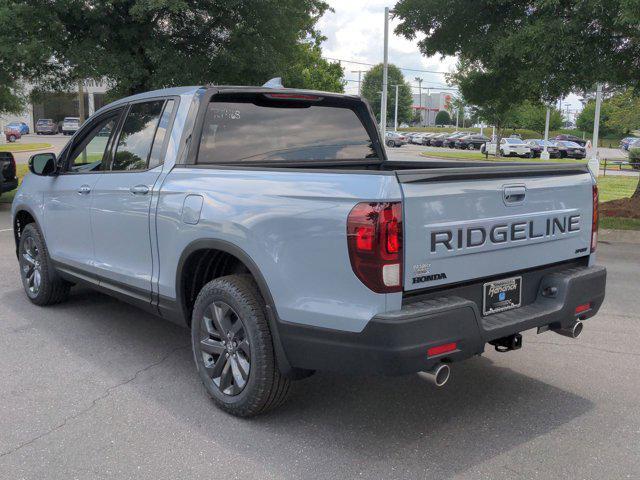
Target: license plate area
{"type": "Point", "coordinates": [501, 295]}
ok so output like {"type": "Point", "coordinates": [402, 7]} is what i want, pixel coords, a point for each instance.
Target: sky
{"type": "Point", "coordinates": [355, 32]}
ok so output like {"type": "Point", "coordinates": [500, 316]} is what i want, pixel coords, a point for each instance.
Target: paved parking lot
{"type": "Point", "coordinates": [94, 388]}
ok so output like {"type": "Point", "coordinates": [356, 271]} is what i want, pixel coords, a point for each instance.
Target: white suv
{"type": "Point", "coordinates": [508, 147]}
{"type": "Point", "coordinates": [70, 125]}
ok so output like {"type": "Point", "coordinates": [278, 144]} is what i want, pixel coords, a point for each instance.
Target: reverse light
{"type": "Point", "coordinates": [595, 219]}
{"type": "Point", "coordinates": [374, 238]}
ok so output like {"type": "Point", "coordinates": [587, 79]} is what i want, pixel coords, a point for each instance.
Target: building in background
{"type": "Point", "coordinates": [57, 105]}
{"type": "Point", "coordinates": [430, 105]}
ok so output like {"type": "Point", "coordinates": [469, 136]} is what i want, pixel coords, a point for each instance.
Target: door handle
{"type": "Point", "coordinates": [139, 190]}
{"type": "Point", "coordinates": [84, 189]}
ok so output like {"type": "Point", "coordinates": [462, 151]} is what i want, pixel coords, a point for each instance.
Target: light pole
{"type": "Point", "coordinates": [594, 163]}
{"type": "Point", "coordinates": [385, 71]}
{"type": "Point", "coordinates": [419, 80]}
{"type": "Point", "coordinates": [395, 125]}
{"type": "Point", "coordinates": [545, 154]}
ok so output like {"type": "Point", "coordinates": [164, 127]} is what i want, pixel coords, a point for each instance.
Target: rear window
{"type": "Point", "coordinates": [239, 131]}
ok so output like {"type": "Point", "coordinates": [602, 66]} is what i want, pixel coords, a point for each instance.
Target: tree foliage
{"type": "Point", "coordinates": [516, 43]}
{"type": "Point", "coordinates": [139, 45]}
{"type": "Point", "coordinates": [372, 92]}
{"type": "Point", "coordinates": [443, 118]}
{"type": "Point", "coordinates": [533, 116]}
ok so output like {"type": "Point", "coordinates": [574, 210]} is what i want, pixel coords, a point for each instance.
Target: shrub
{"type": "Point", "coordinates": [634, 157]}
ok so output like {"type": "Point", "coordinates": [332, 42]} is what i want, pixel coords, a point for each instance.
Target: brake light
{"type": "Point", "coordinates": [595, 220]}
{"type": "Point", "coordinates": [293, 96]}
{"type": "Point", "coordinates": [374, 238]}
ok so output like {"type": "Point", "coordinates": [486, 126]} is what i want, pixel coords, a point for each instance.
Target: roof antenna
{"type": "Point", "coordinates": [274, 83]}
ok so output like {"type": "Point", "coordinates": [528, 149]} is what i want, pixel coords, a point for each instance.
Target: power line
{"type": "Point", "coordinates": [373, 65]}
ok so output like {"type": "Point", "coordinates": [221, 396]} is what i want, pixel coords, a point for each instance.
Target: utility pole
{"type": "Point", "coordinates": [395, 128]}
{"type": "Point", "coordinates": [545, 154]}
{"type": "Point", "coordinates": [457, 114]}
{"type": "Point", "coordinates": [385, 72]}
{"type": "Point", "coordinates": [419, 80]}
{"type": "Point", "coordinates": [594, 163]}
{"type": "Point", "coordinates": [359, 72]}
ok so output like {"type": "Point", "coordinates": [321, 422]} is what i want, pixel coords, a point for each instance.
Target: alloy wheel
{"type": "Point", "coordinates": [31, 266]}
{"type": "Point", "coordinates": [224, 347]}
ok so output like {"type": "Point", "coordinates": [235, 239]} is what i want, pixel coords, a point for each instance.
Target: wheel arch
{"type": "Point", "coordinates": [238, 253]}
{"type": "Point", "coordinates": [22, 217]}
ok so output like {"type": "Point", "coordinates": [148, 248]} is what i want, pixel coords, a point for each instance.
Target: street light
{"type": "Point", "coordinates": [545, 154]}
{"type": "Point", "coordinates": [419, 80]}
{"type": "Point", "coordinates": [594, 163]}
{"type": "Point", "coordinates": [385, 71]}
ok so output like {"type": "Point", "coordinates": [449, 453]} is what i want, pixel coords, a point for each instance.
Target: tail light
{"type": "Point", "coordinates": [595, 221]}
{"type": "Point", "coordinates": [374, 237]}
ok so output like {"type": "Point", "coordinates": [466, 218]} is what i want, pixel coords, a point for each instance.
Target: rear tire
{"type": "Point", "coordinates": [390, 143]}
{"type": "Point", "coordinates": [41, 282]}
{"type": "Point", "coordinates": [233, 347]}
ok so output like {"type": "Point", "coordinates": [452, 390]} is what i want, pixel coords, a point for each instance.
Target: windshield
{"type": "Point", "coordinates": [513, 140]}
{"type": "Point", "coordinates": [570, 144]}
{"type": "Point", "coordinates": [244, 131]}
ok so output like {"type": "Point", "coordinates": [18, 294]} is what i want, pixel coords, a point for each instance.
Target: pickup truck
{"type": "Point", "coordinates": [8, 177]}
{"type": "Point", "coordinates": [271, 223]}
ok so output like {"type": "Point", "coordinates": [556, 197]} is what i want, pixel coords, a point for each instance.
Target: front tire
{"type": "Point", "coordinates": [41, 283]}
{"type": "Point", "coordinates": [233, 347]}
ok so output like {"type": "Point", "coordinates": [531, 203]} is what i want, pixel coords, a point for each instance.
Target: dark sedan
{"type": "Point", "coordinates": [450, 141]}
{"type": "Point", "coordinates": [571, 150]}
{"type": "Point", "coordinates": [571, 138]}
{"type": "Point", "coordinates": [438, 140]}
{"type": "Point", "coordinates": [471, 142]}
{"type": "Point", "coordinates": [537, 146]}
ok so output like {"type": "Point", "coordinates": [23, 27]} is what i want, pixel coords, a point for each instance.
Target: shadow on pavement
{"type": "Point", "coordinates": [370, 425]}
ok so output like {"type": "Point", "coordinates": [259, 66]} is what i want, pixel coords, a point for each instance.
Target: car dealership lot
{"type": "Point", "coordinates": [95, 388]}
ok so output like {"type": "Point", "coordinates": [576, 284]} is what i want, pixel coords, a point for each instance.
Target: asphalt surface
{"type": "Point", "coordinates": [94, 388]}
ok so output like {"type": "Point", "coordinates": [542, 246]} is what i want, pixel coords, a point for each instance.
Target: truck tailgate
{"type": "Point", "coordinates": [462, 224]}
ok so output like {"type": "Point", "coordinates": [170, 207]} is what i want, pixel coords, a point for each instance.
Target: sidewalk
{"type": "Point", "coordinates": [619, 236]}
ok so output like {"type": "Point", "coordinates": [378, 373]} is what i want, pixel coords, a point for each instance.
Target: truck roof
{"type": "Point", "coordinates": [237, 88]}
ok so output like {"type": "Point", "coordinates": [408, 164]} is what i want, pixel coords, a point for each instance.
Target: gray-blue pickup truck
{"type": "Point", "coordinates": [271, 223]}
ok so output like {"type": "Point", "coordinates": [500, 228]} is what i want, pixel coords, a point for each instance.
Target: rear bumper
{"type": "Point", "coordinates": [396, 342]}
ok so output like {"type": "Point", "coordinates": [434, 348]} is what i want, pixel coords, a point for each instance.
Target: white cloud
{"type": "Point", "coordinates": [355, 32]}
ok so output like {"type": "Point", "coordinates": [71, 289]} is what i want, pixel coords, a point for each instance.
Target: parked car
{"type": "Point", "coordinates": [471, 142]}
{"type": "Point", "coordinates": [571, 149]}
{"type": "Point", "coordinates": [438, 140]}
{"type": "Point", "coordinates": [508, 147]}
{"type": "Point", "coordinates": [12, 134]}
{"type": "Point", "coordinates": [21, 126]}
{"type": "Point", "coordinates": [426, 138]}
{"type": "Point", "coordinates": [301, 247]}
{"type": "Point", "coordinates": [70, 125]}
{"type": "Point", "coordinates": [46, 126]}
{"type": "Point", "coordinates": [414, 137]}
{"type": "Point", "coordinates": [537, 146]}
{"type": "Point", "coordinates": [395, 139]}
{"type": "Point", "coordinates": [450, 141]}
{"type": "Point", "coordinates": [627, 141]}
{"type": "Point", "coordinates": [8, 176]}
{"type": "Point", "coordinates": [571, 138]}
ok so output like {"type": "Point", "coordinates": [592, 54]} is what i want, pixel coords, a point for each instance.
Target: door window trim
{"type": "Point", "coordinates": [108, 154]}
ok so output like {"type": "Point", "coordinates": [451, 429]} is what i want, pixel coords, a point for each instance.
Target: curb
{"type": "Point", "coordinates": [619, 236]}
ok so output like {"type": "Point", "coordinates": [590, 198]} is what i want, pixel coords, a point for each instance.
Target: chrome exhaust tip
{"type": "Point", "coordinates": [439, 375]}
{"type": "Point", "coordinates": [573, 331]}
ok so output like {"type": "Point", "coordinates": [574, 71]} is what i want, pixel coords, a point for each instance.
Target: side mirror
{"type": "Point", "coordinates": [43, 164]}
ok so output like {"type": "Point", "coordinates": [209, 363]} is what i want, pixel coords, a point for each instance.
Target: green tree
{"type": "Point", "coordinates": [140, 45]}
{"type": "Point", "coordinates": [511, 49]}
{"type": "Point", "coordinates": [533, 116]}
{"type": "Point", "coordinates": [624, 111]}
{"type": "Point", "coordinates": [443, 118]}
{"type": "Point", "coordinates": [372, 92]}
{"type": "Point", "coordinates": [587, 115]}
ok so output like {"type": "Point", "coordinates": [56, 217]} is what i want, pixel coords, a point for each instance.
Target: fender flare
{"type": "Point", "coordinates": [245, 258]}
{"type": "Point", "coordinates": [29, 210]}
